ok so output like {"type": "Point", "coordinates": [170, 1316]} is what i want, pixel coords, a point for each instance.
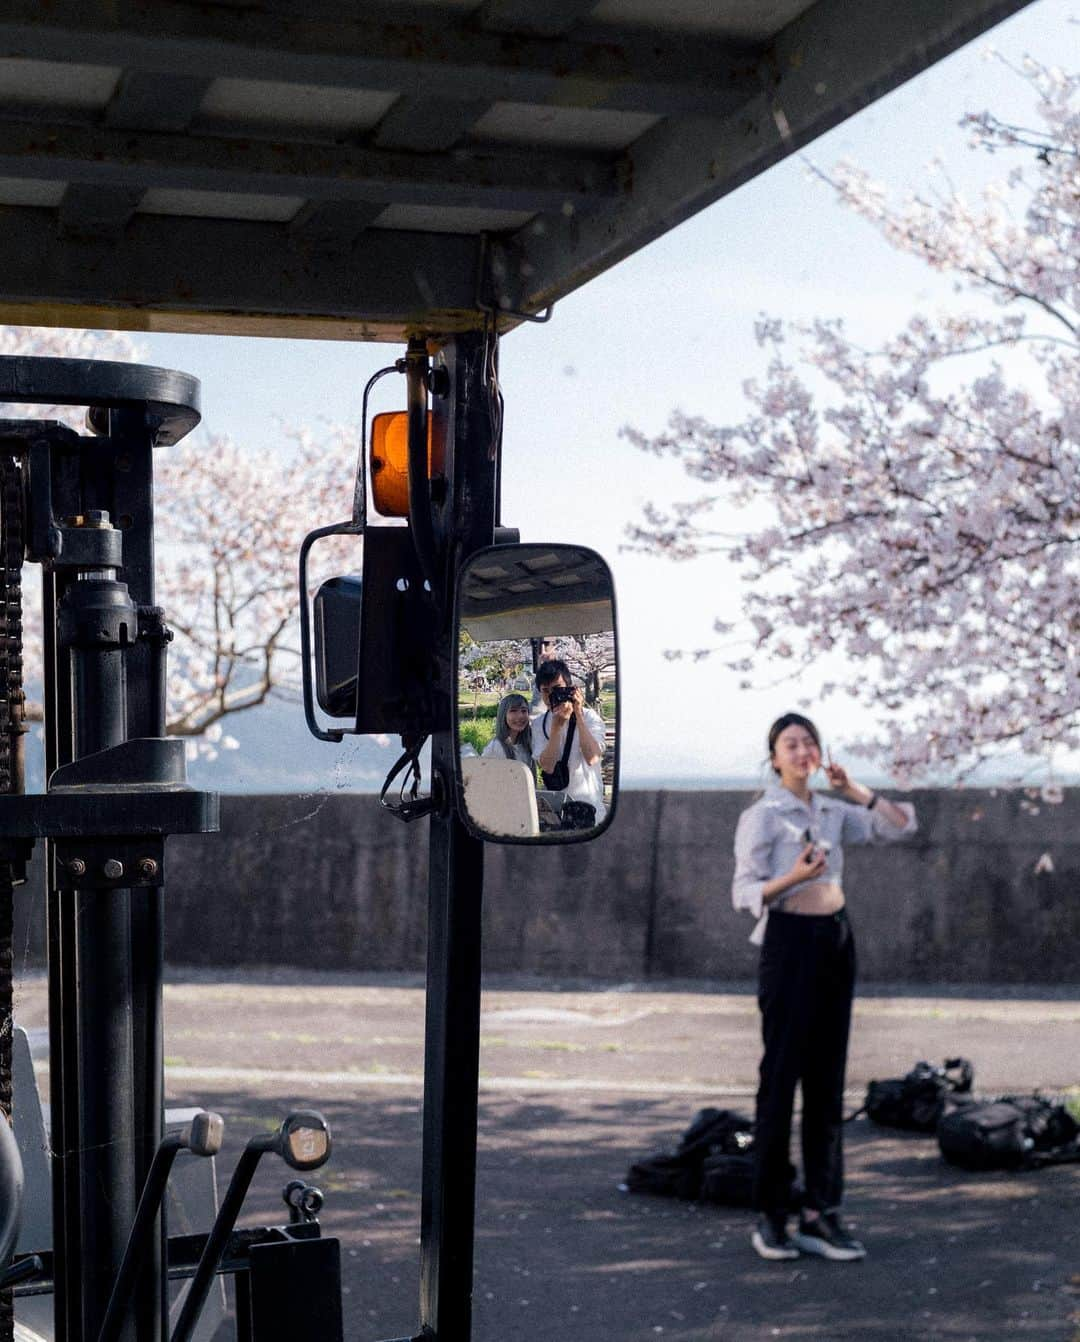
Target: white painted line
{"type": "Point", "coordinates": [301, 1081]}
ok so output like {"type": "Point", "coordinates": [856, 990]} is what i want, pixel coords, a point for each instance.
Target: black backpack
{"type": "Point", "coordinates": [1011, 1132]}
{"type": "Point", "coordinates": [917, 1101]}
{"type": "Point", "coordinates": [717, 1130]}
{"type": "Point", "coordinates": [728, 1179]}
{"type": "Point", "coordinates": [679, 1173]}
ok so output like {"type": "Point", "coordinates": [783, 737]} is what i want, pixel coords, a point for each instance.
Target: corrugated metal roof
{"type": "Point", "coordinates": [381, 169]}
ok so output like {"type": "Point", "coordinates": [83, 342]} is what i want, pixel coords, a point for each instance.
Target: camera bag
{"type": "Point", "coordinates": [917, 1101]}
{"type": "Point", "coordinates": [559, 777]}
{"type": "Point", "coordinates": [577, 815]}
{"type": "Point", "coordinates": [714, 1135]}
{"type": "Point", "coordinates": [728, 1179]}
{"type": "Point", "coordinates": [1011, 1132]}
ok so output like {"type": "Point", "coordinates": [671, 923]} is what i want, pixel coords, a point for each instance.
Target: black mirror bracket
{"type": "Point", "coordinates": [401, 605]}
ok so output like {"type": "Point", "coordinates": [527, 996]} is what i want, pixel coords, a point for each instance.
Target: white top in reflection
{"type": "Point", "coordinates": [495, 750]}
{"type": "Point", "coordinates": [586, 780]}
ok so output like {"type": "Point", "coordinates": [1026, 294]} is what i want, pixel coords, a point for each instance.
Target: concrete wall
{"type": "Point", "coordinates": [334, 882]}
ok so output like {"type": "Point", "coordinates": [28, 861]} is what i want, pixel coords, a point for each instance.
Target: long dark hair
{"type": "Point", "coordinates": [791, 720]}
{"type": "Point", "coordinates": [502, 730]}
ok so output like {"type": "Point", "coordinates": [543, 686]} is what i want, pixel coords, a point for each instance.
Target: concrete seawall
{"type": "Point", "coordinates": [987, 891]}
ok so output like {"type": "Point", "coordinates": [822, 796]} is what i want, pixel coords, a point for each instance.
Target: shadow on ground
{"type": "Point", "coordinates": [562, 1254]}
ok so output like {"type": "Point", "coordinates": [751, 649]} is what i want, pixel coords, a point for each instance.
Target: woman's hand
{"type": "Point", "coordinates": [842, 782]}
{"type": "Point", "coordinates": [811, 862]}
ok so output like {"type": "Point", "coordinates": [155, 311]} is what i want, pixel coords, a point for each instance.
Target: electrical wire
{"type": "Point", "coordinates": [359, 511]}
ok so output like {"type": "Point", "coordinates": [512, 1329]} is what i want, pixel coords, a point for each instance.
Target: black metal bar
{"type": "Point", "coordinates": [451, 1072]}
{"type": "Point", "coordinates": [128, 492]}
{"type": "Point", "coordinates": [420, 519]}
{"type": "Point", "coordinates": [26, 1269]}
{"type": "Point", "coordinates": [63, 1000]}
{"type": "Point", "coordinates": [141, 1238]}
{"type": "Point", "coordinates": [202, 1136]}
{"type": "Point", "coordinates": [455, 894]}
{"type": "Point", "coordinates": [97, 621]}
{"type": "Point", "coordinates": [168, 399]}
{"type": "Point", "coordinates": [218, 1238]}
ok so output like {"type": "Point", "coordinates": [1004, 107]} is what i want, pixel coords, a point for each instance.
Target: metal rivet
{"type": "Point", "coordinates": [147, 866]}
{"type": "Point", "coordinates": [77, 866]}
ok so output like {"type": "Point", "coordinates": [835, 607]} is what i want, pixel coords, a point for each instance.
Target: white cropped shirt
{"type": "Point", "coordinates": [772, 833]}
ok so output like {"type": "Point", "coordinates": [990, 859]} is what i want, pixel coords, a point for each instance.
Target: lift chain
{"type": "Point", "coordinates": [12, 726]}
{"type": "Point", "coordinates": [12, 696]}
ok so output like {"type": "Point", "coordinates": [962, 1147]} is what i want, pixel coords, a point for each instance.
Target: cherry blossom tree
{"type": "Point", "coordinates": [924, 495]}
{"type": "Point", "coordinates": [229, 526]}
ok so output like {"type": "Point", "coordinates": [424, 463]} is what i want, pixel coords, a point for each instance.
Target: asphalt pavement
{"type": "Point", "coordinates": [579, 1080]}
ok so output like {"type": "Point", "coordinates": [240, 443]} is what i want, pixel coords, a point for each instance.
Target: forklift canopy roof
{"type": "Point", "coordinates": [353, 170]}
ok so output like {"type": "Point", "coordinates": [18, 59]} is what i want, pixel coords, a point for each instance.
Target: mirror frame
{"type": "Point", "coordinates": [558, 838]}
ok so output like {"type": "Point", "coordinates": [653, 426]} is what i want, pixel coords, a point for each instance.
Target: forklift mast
{"type": "Point", "coordinates": [81, 506]}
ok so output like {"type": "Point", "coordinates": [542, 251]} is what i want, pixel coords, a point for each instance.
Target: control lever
{"type": "Point", "coordinates": [202, 1137]}
{"type": "Point", "coordinates": [303, 1143]}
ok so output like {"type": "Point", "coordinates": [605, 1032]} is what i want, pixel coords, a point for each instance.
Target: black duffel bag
{"type": "Point", "coordinates": [917, 1102]}
{"type": "Point", "coordinates": [1011, 1132]}
{"type": "Point", "coordinates": [664, 1174]}
{"type": "Point", "coordinates": [728, 1179]}
{"type": "Point", "coordinates": [679, 1173]}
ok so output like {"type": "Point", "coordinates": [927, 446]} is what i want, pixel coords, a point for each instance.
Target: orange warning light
{"type": "Point", "coordinates": [390, 462]}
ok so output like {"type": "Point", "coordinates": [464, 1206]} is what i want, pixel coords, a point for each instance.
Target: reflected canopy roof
{"type": "Point", "coordinates": [527, 591]}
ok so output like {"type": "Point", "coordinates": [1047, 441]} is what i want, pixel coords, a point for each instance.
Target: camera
{"type": "Point", "coordinates": [560, 694]}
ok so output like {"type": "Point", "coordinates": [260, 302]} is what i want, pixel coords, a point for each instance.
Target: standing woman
{"type": "Point", "coordinates": [788, 872]}
{"type": "Point", "coordinates": [513, 733]}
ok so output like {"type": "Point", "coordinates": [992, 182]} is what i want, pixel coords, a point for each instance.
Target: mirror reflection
{"type": "Point", "coordinates": [537, 701]}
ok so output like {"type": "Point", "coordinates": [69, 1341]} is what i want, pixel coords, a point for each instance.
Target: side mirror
{"type": "Point", "coordinates": [366, 638]}
{"type": "Point", "coordinates": [536, 762]}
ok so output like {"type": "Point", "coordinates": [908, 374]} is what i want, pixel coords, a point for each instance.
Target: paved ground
{"type": "Point", "coordinates": [575, 1084]}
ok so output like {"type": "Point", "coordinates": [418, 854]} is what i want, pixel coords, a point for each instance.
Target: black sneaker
{"type": "Point", "coordinates": [825, 1236]}
{"type": "Point", "coordinates": [771, 1239]}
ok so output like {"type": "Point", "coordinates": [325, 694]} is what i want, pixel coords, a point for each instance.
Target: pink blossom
{"type": "Point", "coordinates": [925, 496]}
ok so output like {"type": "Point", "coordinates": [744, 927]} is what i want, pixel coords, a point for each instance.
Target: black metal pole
{"type": "Point", "coordinates": [63, 1001]}
{"type": "Point", "coordinates": [130, 491]}
{"type": "Point", "coordinates": [451, 1071]}
{"type": "Point", "coordinates": [97, 623]}
{"type": "Point", "coordinates": [455, 893]}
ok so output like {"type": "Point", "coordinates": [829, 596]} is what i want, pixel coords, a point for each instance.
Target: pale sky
{"type": "Point", "coordinates": [671, 326]}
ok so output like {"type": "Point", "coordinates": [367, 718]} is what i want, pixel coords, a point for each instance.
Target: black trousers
{"type": "Point", "coordinates": [805, 984]}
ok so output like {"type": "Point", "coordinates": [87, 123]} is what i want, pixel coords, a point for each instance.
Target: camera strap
{"type": "Point", "coordinates": [569, 735]}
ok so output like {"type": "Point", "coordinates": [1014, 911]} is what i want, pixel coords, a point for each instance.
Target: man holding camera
{"type": "Point", "coordinates": [564, 713]}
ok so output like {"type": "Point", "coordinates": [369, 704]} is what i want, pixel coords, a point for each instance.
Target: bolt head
{"type": "Point", "coordinates": [77, 866]}
{"type": "Point", "coordinates": [113, 869]}
{"type": "Point", "coordinates": [147, 866]}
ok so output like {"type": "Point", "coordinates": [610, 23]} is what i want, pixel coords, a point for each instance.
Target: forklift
{"type": "Point", "coordinates": [380, 651]}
